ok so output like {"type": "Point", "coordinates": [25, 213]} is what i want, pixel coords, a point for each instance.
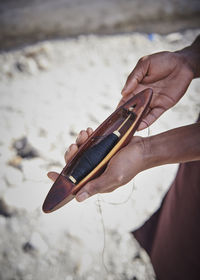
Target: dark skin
{"type": "Point", "coordinates": [169, 84]}
{"type": "Point", "coordinates": [168, 73]}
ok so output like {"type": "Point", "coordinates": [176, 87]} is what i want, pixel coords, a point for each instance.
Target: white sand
{"type": "Point", "coordinates": [66, 86]}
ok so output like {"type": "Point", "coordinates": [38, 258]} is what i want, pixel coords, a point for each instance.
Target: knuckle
{"type": "Point", "coordinates": [143, 58]}
{"type": "Point", "coordinates": [137, 77]}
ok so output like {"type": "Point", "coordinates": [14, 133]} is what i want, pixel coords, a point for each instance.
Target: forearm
{"type": "Point", "coordinates": [192, 56]}
{"type": "Point", "coordinates": [174, 146]}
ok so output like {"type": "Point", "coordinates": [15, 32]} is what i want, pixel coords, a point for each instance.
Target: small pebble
{"type": "Point", "coordinates": [24, 148]}
{"type": "Point", "coordinates": [28, 247]}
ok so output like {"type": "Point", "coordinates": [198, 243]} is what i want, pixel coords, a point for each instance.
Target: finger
{"type": "Point", "coordinates": [152, 116]}
{"type": "Point", "coordinates": [89, 131]}
{"type": "Point", "coordinates": [82, 137]}
{"type": "Point", "coordinates": [125, 98]}
{"type": "Point", "coordinates": [52, 175]}
{"type": "Point", "coordinates": [121, 102]}
{"type": "Point", "coordinates": [99, 185]}
{"type": "Point", "coordinates": [130, 85]}
{"type": "Point", "coordinates": [136, 76]}
{"type": "Point", "coordinates": [73, 148]}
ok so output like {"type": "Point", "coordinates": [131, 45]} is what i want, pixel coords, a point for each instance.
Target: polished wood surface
{"type": "Point", "coordinates": [63, 190]}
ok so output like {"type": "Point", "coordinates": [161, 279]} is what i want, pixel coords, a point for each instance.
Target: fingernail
{"type": "Point", "coordinates": [81, 197]}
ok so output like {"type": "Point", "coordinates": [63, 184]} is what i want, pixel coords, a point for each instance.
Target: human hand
{"type": "Point", "coordinates": [167, 73]}
{"type": "Point", "coordinates": [120, 170]}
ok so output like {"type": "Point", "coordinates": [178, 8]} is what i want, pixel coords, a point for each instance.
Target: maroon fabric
{"type": "Point", "coordinates": [171, 236]}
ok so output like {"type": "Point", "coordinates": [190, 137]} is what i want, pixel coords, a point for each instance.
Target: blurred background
{"type": "Point", "coordinates": [62, 67]}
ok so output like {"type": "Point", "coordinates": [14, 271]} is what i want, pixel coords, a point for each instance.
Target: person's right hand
{"type": "Point", "coordinates": [167, 73]}
{"type": "Point", "coordinates": [122, 167]}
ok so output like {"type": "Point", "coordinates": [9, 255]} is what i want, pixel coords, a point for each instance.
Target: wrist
{"type": "Point", "coordinates": [147, 152]}
{"type": "Point", "coordinates": [177, 145]}
{"type": "Point", "coordinates": [191, 57]}
{"type": "Point", "coordinates": [155, 153]}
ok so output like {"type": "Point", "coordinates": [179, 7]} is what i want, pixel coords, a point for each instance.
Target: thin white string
{"type": "Point", "coordinates": [104, 234]}
{"type": "Point", "coordinates": [99, 200]}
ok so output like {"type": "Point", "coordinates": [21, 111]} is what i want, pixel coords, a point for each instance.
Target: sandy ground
{"type": "Point", "coordinates": [49, 91]}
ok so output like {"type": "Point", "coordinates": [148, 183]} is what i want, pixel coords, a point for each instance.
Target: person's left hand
{"type": "Point", "coordinates": [120, 170]}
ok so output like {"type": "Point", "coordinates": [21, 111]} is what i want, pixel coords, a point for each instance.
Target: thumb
{"type": "Point", "coordinates": [98, 185]}
{"type": "Point", "coordinates": [136, 76]}
{"type": "Point", "coordinates": [150, 118]}
{"type": "Point", "coordinates": [52, 175]}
